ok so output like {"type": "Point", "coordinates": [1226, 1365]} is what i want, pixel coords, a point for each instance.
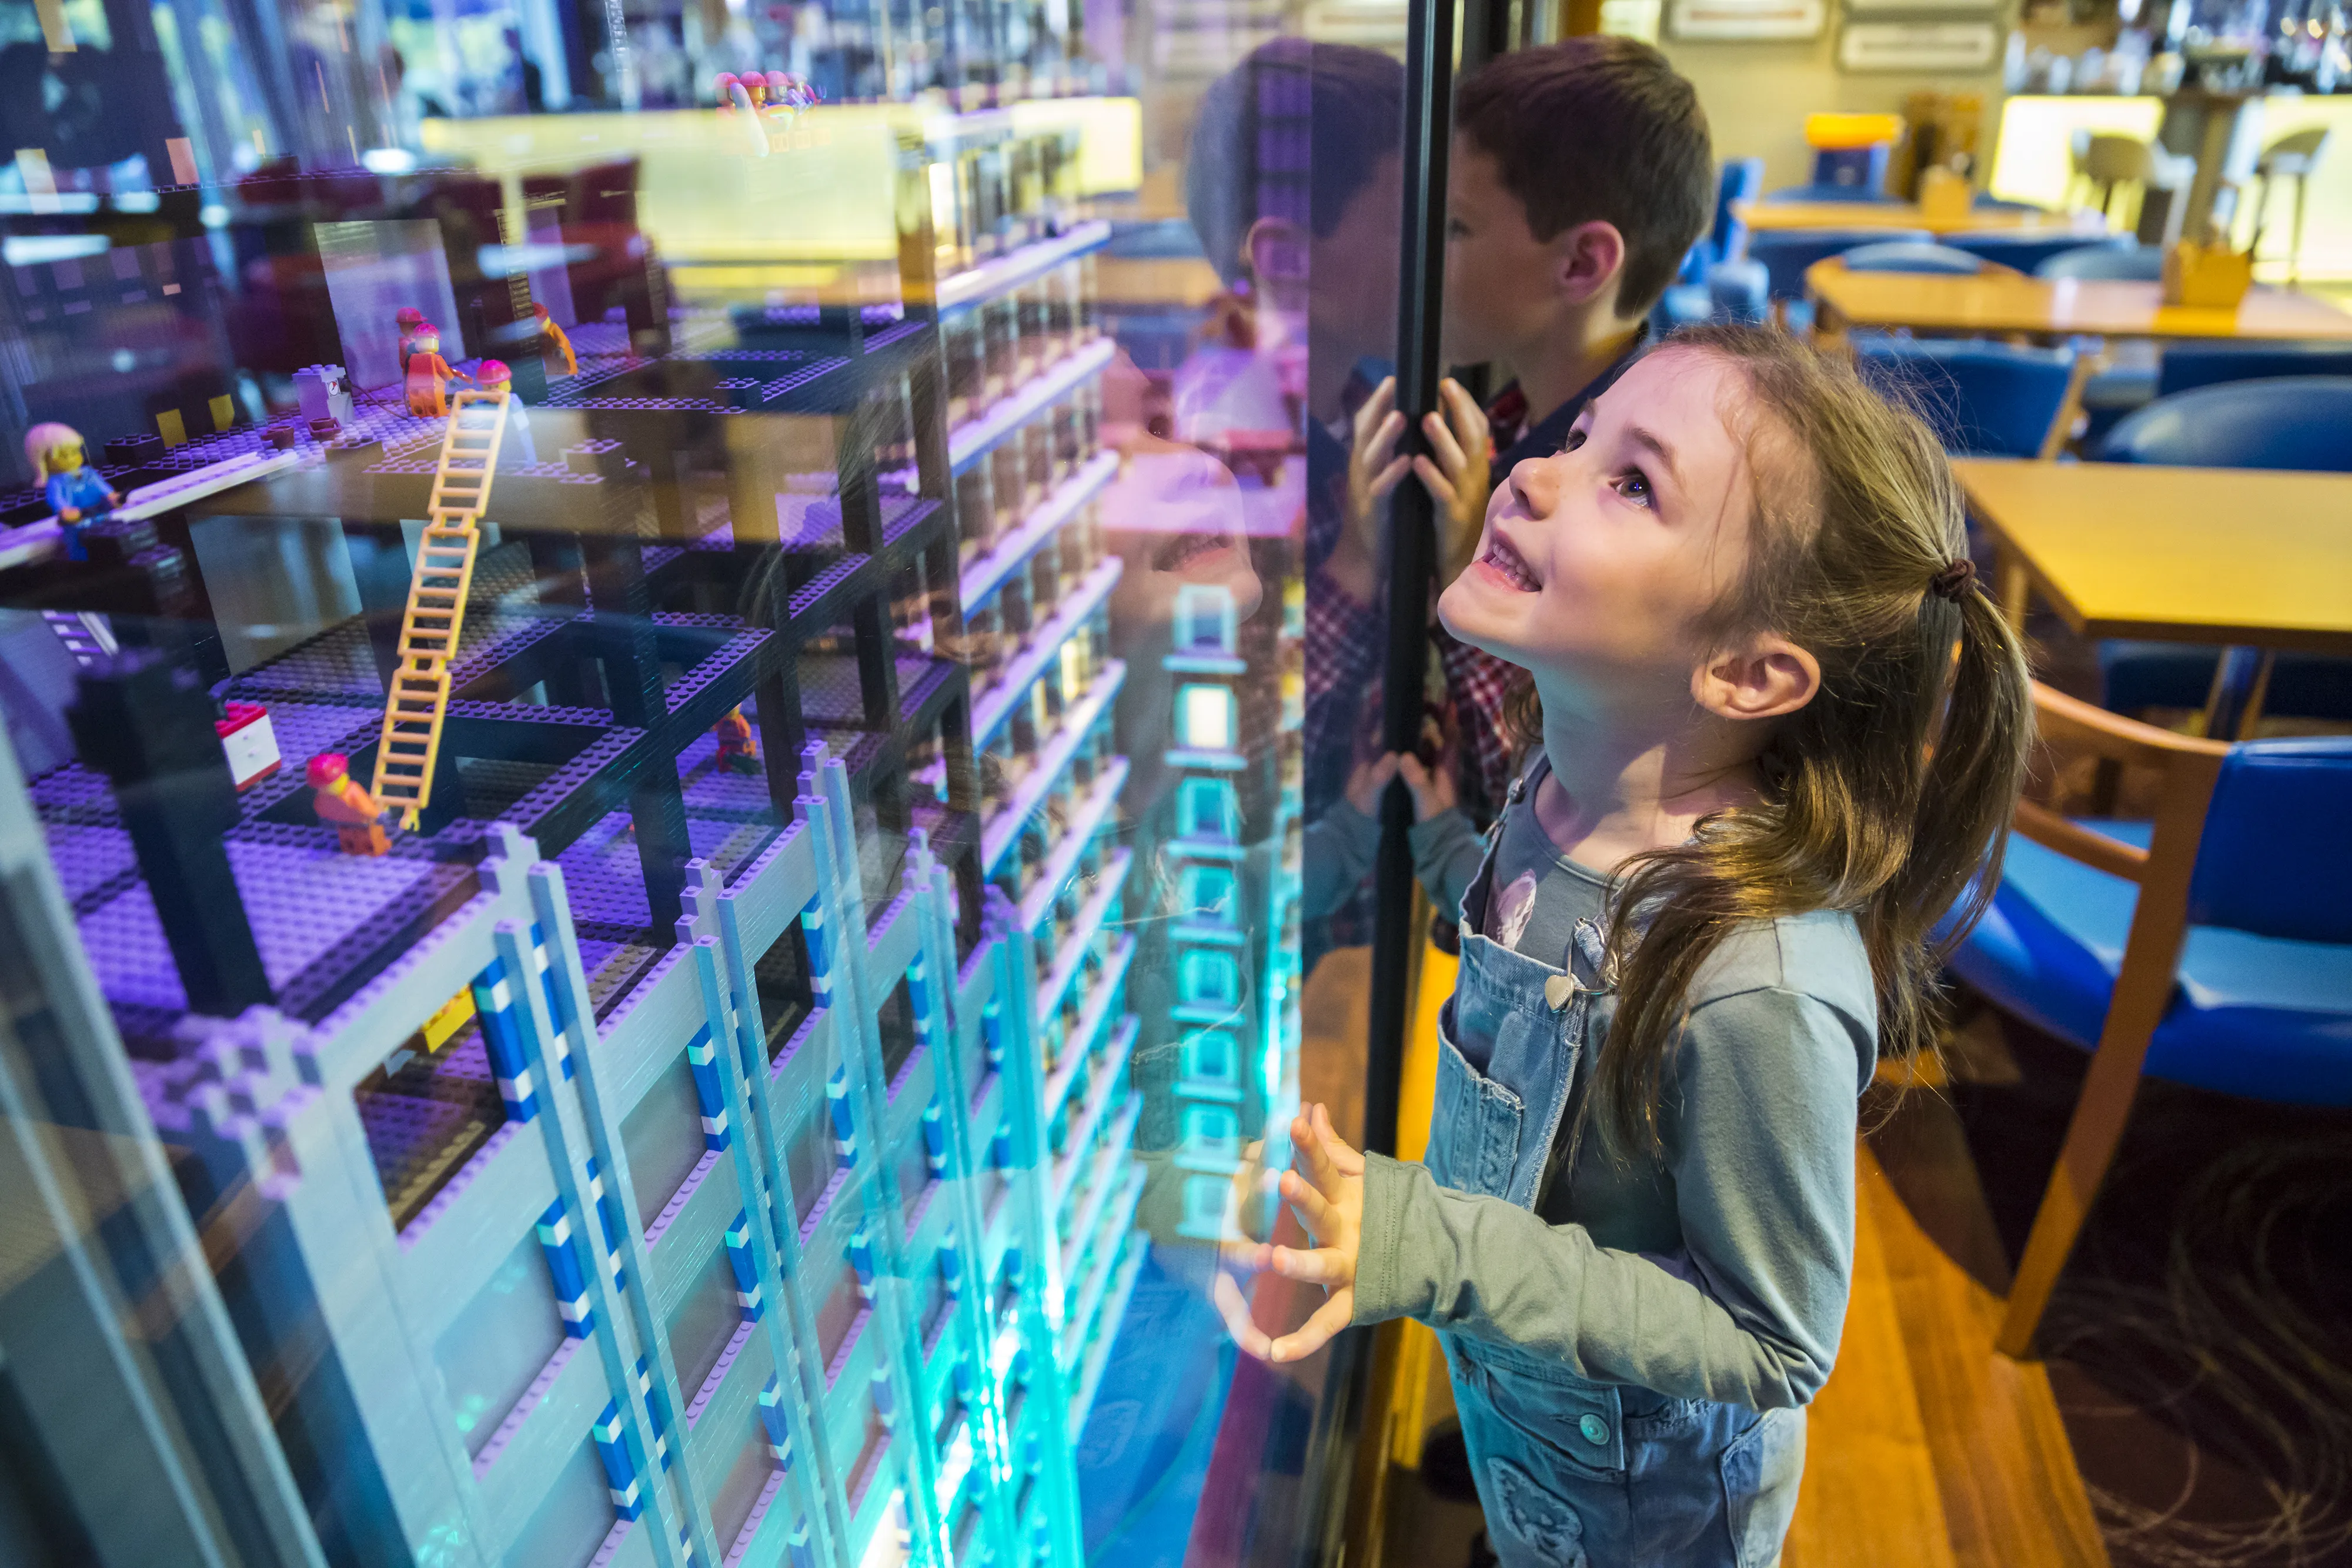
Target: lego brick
{"type": "Point", "coordinates": [301, 904]}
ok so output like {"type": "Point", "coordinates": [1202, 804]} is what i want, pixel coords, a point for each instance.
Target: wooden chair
{"type": "Point", "coordinates": [2244, 849]}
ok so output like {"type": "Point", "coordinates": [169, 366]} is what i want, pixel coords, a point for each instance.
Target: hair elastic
{"type": "Point", "coordinates": [1954, 580]}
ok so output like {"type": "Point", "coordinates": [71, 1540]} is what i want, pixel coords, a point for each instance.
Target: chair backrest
{"type": "Point", "coordinates": [1910, 255]}
{"type": "Point", "coordinates": [2293, 153]}
{"type": "Point", "coordinates": [1741, 180]}
{"type": "Point", "coordinates": [1790, 194]}
{"type": "Point", "coordinates": [2275, 857]}
{"type": "Point", "coordinates": [1983, 399]}
{"type": "Point", "coordinates": [2188, 365]}
{"type": "Point", "coordinates": [2291, 422]}
{"type": "Point", "coordinates": [1786, 253]}
{"type": "Point", "coordinates": [2024, 252]}
{"type": "Point", "coordinates": [2113, 160]}
{"type": "Point", "coordinates": [2118, 263]}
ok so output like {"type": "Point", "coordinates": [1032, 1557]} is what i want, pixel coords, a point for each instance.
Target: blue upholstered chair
{"type": "Point", "coordinates": [2290, 422]}
{"type": "Point", "coordinates": [2026, 252]}
{"type": "Point", "coordinates": [1984, 399]}
{"type": "Point", "coordinates": [2285, 421]}
{"type": "Point", "coordinates": [2211, 946]}
{"type": "Point", "coordinates": [1786, 253]}
{"type": "Point", "coordinates": [1910, 255]}
{"type": "Point", "coordinates": [1717, 283]}
{"type": "Point", "coordinates": [2115, 263]}
{"type": "Point", "coordinates": [1791, 195]}
{"type": "Point", "coordinates": [2130, 381]}
{"type": "Point", "coordinates": [2190, 365]}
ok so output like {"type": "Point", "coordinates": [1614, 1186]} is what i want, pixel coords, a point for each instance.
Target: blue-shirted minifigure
{"type": "Point", "coordinates": [77, 492]}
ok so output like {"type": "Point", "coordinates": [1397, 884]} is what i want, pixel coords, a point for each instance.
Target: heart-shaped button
{"type": "Point", "coordinates": [1560, 990]}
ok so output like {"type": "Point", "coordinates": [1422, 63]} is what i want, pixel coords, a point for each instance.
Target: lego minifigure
{"type": "Point", "coordinates": [739, 752]}
{"type": "Point", "coordinates": [80, 496]}
{"type": "Point", "coordinates": [429, 374]}
{"type": "Point", "coordinates": [558, 344]}
{"type": "Point", "coordinates": [337, 798]}
{"type": "Point", "coordinates": [408, 320]}
{"type": "Point", "coordinates": [494, 376]}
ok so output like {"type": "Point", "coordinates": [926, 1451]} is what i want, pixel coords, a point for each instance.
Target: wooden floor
{"type": "Point", "coordinates": [1927, 1447]}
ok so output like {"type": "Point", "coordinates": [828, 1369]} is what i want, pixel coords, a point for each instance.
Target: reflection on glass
{"type": "Point", "coordinates": [654, 794]}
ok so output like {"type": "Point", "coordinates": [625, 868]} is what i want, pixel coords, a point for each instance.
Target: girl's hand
{"type": "Point", "coordinates": [1329, 1202]}
{"type": "Point", "coordinates": [1433, 788]}
{"type": "Point", "coordinates": [1456, 473]}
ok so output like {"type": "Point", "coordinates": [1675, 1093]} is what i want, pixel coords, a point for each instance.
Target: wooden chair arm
{"type": "Point", "coordinates": [2074, 722]}
{"type": "Point", "coordinates": [2048, 828]}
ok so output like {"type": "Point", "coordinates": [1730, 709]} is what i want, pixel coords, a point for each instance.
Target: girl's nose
{"type": "Point", "coordinates": [1536, 481]}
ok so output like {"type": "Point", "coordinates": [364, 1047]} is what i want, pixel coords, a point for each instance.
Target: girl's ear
{"type": "Point", "coordinates": [1763, 677]}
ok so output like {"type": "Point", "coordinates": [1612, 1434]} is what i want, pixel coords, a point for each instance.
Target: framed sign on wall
{"type": "Point", "coordinates": [1918, 46]}
{"type": "Point", "coordinates": [1745, 19]}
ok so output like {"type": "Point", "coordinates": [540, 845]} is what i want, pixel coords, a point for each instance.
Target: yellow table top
{"type": "Point", "coordinates": [2185, 555]}
{"type": "Point", "coordinates": [1904, 215]}
{"type": "Point", "coordinates": [2002, 301]}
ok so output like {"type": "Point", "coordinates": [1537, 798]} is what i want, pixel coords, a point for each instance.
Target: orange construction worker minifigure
{"type": "Point", "coordinates": [429, 374]}
{"type": "Point", "coordinates": [554, 334]}
{"type": "Point", "coordinates": [338, 799]}
{"type": "Point", "coordinates": [409, 318]}
{"type": "Point", "coordinates": [737, 751]}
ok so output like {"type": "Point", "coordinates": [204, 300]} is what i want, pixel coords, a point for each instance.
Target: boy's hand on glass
{"type": "Point", "coordinates": [1367, 782]}
{"type": "Point", "coordinates": [1373, 470]}
{"type": "Point", "coordinates": [1433, 788]}
{"type": "Point", "coordinates": [1456, 472]}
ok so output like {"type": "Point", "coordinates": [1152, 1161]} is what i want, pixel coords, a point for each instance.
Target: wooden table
{"type": "Point", "coordinates": [2231, 557]}
{"type": "Point", "coordinates": [1993, 301]}
{"type": "Point", "coordinates": [2004, 221]}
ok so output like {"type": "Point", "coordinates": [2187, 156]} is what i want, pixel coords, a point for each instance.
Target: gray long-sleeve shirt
{"type": "Point", "coordinates": [1717, 1268]}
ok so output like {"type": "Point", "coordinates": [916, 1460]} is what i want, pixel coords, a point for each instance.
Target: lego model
{"type": "Point", "coordinates": [428, 374]}
{"type": "Point", "coordinates": [76, 491]}
{"type": "Point", "coordinates": [338, 799]}
{"type": "Point", "coordinates": [557, 343]}
{"type": "Point", "coordinates": [248, 741]}
{"type": "Point", "coordinates": [737, 751]}
{"type": "Point", "coordinates": [776, 1204]}
{"type": "Point", "coordinates": [408, 319]}
{"type": "Point", "coordinates": [326, 395]}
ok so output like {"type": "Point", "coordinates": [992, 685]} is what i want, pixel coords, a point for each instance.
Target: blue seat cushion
{"type": "Point", "coordinates": [2253, 1016]}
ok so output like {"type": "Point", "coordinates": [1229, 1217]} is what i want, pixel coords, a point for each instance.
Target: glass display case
{"type": "Point", "coordinates": [652, 835]}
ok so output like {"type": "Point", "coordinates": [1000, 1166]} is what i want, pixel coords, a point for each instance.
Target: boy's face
{"type": "Point", "coordinates": [1351, 272]}
{"type": "Point", "coordinates": [1504, 286]}
{"type": "Point", "coordinates": [1497, 274]}
{"type": "Point", "coordinates": [1597, 565]}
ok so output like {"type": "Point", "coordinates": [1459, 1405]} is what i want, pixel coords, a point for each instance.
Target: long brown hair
{"type": "Point", "coordinates": [1888, 794]}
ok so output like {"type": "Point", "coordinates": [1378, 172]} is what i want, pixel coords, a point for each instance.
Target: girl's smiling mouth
{"type": "Point", "coordinates": [1507, 565]}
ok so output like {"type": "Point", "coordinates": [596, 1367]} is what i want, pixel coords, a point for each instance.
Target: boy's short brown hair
{"type": "Point", "coordinates": [1598, 127]}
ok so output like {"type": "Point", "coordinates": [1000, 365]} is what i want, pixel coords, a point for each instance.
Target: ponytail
{"type": "Point", "coordinates": [1889, 794]}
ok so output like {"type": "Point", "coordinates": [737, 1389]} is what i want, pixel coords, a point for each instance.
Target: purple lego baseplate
{"type": "Point", "coordinates": [302, 901]}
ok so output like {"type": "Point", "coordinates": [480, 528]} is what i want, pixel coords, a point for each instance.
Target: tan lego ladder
{"type": "Point", "coordinates": [410, 742]}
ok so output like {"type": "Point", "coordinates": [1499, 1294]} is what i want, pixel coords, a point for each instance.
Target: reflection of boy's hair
{"type": "Point", "coordinates": [1323, 114]}
{"type": "Point", "coordinates": [1599, 128]}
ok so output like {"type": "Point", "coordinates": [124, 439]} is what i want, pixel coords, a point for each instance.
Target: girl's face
{"type": "Point", "coordinates": [1596, 565]}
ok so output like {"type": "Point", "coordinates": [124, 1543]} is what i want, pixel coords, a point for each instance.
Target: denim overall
{"type": "Point", "coordinates": [1574, 1472]}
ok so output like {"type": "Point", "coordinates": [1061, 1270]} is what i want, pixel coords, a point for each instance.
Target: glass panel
{"type": "Point", "coordinates": [654, 673]}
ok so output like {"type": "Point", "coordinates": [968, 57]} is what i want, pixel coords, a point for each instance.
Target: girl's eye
{"type": "Point", "coordinates": [1635, 486]}
{"type": "Point", "coordinates": [1575, 439]}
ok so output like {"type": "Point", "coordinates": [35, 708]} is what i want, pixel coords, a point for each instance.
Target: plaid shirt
{"type": "Point", "coordinates": [1345, 651]}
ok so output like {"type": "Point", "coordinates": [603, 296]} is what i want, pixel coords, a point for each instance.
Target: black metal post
{"type": "Point", "coordinates": [1411, 543]}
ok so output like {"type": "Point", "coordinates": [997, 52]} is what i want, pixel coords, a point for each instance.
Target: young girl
{"type": "Point", "coordinates": [1780, 733]}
